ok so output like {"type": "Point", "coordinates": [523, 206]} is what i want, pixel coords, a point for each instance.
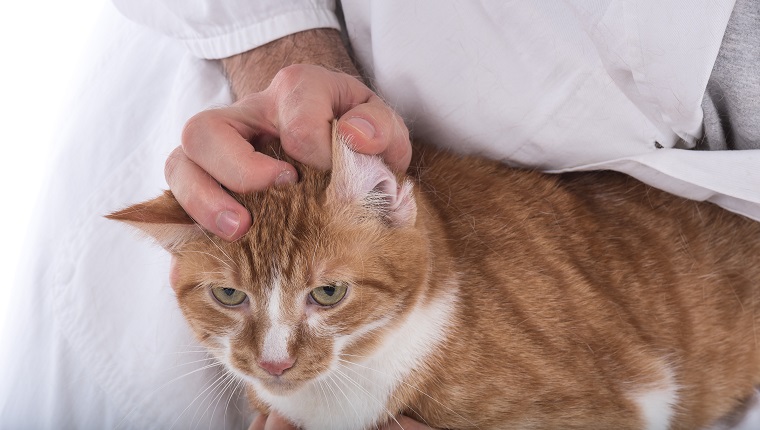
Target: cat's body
{"type": "Point", "coordinates": [478, 296]}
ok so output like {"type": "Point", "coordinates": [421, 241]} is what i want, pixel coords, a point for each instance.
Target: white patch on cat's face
{"type": "Point", "coordinates": [657, 404]}
{"type": "Point", "coordinates": [341, 342]}
{"type": "Point", "coordinates": [275, 346]}
{"type": "Point", "coordinates": [354, 391]}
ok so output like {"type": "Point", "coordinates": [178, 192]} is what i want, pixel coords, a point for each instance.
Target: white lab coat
{"type": "Point", "coordinates": [95, 338]}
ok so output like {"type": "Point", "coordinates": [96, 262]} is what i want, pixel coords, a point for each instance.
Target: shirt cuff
{"type": "Point", "coordinates": [260, 33]}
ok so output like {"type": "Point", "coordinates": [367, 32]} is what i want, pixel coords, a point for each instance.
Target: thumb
{"type": "Point", "coordinates": [374, 128]}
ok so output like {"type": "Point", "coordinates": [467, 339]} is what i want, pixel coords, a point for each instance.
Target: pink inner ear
{"type": "Point", "coordinates": [387, 187]}
{"type": "Point", "coordinates": [366, 180]}
{"type": "Point", "coordinates": [404, 209]}
{"type": "Point", "coordinates": [387, 190]}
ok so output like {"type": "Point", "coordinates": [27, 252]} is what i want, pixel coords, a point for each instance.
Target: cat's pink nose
{"type": "Point", "coordinates": [275, 368]}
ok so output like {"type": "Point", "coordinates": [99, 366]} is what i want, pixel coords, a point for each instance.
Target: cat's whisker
{"type": "Point", "coordinates": [231, 379]}
{"type": "Point", "coordinates": [348, 378]}
{"type": "Point", "coordinates": [215, 398]}
{"type": "Point", "coordinates": [217, 246]}
{"type": "Point", "coordinates": [209, 391]}
{"type": "Point", "coordinates": [319, 242]}
{"type": "Point", "coordinates": [190, 362]}
{"type": "Point", "coordinates": [410, 386]}
{"type": "Point", "coordinates": [410, 407]}
{"type": "Point", "coordinates": [334, 396]}
{"type": "Point", "coordinates": [234, 389]}
{"type": "Point", "coordinates": [348, 400]}
{"type": "Point", "coordinates": [324, 394]}
{"type": "Point", "coordinates": [229, 400]}
{"type": "Point", "coordinates": [354, 355]}
{"type": "Point", "coordinates": [225, 386]}
{"type": "Point", "coordinates": [164, 385]}
{"type": "Point", "coordinates": [188, 353]}
{"type": "Point", "coordinates": [192, 348]}
{"type": "Point", "coordinates": [211, 273]}
{"type": "Point", "coordinates": [225, 263]}
{"type": "Point", "coordinates": [221, 382]}
{"type": "Point", "coordinates": [378, 401]}
{"type": "Point", "coordinates": [211, 386]}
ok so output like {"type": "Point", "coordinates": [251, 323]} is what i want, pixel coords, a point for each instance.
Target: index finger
{"type": "Point", "coordinates": [218, 141]}
{"type": "Point", "coordinates": [308, 99]}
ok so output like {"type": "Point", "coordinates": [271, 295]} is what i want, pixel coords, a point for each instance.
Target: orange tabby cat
{"type": "Point", "coordinates": [470, 295]}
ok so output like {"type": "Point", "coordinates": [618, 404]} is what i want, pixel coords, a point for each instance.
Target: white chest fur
{"type": "Point", "coordinates": [354, 393]}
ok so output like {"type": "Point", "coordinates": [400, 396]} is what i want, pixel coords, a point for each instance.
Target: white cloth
{"type": "Point", "coordinates": [95, 339]}
{"type": "Point", "coordinates": [217, 29]}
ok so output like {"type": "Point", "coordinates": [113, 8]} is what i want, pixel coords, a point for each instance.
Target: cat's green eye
{"type": "Point", "coordinates": [328, 295]}
{"type": "Point", "coordinates": [228, 296]}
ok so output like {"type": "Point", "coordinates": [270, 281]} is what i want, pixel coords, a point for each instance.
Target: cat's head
{"type": "Point", "coordinates": [329, 267]}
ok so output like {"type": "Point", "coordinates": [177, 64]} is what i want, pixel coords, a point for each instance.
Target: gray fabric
{"type": "Point", "coordinates": [731, 103]}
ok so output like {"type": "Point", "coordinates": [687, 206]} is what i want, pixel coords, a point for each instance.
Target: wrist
{"type": "Point", "coordinates": [252, 71]}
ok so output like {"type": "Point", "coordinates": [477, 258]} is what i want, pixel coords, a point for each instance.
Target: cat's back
{"type": "Point", "coordinates": [489, 190]}
{"type": "Point", "coordinates": [599, 284]}
{"type": "Point", "coordinates": [491, 206]}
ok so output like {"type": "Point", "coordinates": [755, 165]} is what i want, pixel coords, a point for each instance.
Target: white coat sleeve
{"type": "Point", "coordinates": [213, 29]}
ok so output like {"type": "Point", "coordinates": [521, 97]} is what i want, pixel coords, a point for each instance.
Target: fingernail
{"type": "Point", "coordinates": [362, 126]}
{"type": "Point", "coordinates": [285, 177]}
{"type": "Point", "coordinates": [228, 222]}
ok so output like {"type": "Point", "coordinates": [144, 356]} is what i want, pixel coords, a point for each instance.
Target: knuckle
{"type": "Point", "coordinates": [294, 144]}
{"type": "Point", "coordinates": [200, 201]}
{"type": "Point", "coordinates": [193, 197]}
{"type": "Point", "coordinates": [297, 137]}
{"type": "Point", "coordinates": [290, 77]}
{"type": "Point", "coordinates": [298, 134]}
{"type": "Point", "coordinates": [298, 83]}
{"type": "Point", "coordinates": [195, 129]}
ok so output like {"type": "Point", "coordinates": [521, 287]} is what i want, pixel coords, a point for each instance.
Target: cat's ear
{"type": "Point", "coordinates": [163, 219]}
{"type": "Point", "coordinates": [365, 180]}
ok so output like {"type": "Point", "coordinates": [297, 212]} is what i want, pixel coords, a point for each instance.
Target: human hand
{"type": "Point", "coordinates": [276, 422]}
{"type": "Point", "coordinates": [298, 107]}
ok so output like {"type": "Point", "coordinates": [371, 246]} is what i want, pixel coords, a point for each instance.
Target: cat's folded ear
{"type": "Point", "coordinates": [365, 180]}
{"type": "Point", "coordinates": [163, 219]}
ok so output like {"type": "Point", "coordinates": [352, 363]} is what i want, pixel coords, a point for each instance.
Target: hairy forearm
{"type": "Point", "coordinates": [252, 71]}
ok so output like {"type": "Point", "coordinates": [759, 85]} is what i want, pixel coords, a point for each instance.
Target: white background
{"type": "Point", "coordinates": [41, 46]}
